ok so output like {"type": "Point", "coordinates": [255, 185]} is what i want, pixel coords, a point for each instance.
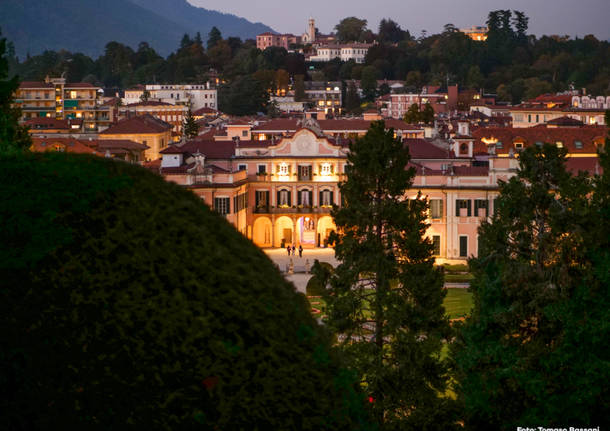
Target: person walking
{"type": "Point", "coordinates": [300, 250]}
{"type": "Point", "coordinates": [293, 249]}
{"type": "Point", "coordinates": [288, 249]}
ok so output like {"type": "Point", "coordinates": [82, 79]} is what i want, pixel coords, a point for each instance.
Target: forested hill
{"type": "Point", "coordinates": [88, 25]}
{"type": "Point", "coordinates": [198, 19]}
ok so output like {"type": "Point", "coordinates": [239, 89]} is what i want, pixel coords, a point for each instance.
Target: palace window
{"type": "Point", "coordinates": [326, 198]}
{"type": "Point", "coordinates": [304, 173]}
{"type": "Point", "coordinates": [326, 169]}
{"type": "Point", "coordinates": [463, 208]}
{"type": "Point", "coordinates": [436, 208]}
{"type": "Point", "coordinates": [221, 205]}
{"type": "Point", "coordinates": [261, 169]}
{"type": "Point", "coordinates": [481, 204]}
{"type": "Point", "coordinates": [463, 246]}
{"type": "Point", "coordinates": [262, 198]}
{"type": "Point", "coordinates": [304, 198]}
{"type": "Point", "coordinates": [283, 169]}
{"type": "Point", "coordinates": [436, 243]}
{"type": "Point", "coordinates": [283, 198]}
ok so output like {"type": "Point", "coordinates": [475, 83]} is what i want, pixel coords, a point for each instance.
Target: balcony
{"type": "Point", "coordinates": [292, 210]}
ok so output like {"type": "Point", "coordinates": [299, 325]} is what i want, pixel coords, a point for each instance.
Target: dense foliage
{"type": "Point", "coordinates": [535, 348]}
{"type": "Point", "coordinates": [126, 302]}
{"type": "Point", "coordinates": [385, 297]}
{"type": "Point", "coordinates": [13, 137]}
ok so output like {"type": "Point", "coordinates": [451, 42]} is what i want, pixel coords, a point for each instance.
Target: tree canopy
{"type": "Point", "coordinates": [351, 29]}
{"type": "Point", "coordinates": [385, 299]}
{"type": "Point", "coordinates": [534, 349]}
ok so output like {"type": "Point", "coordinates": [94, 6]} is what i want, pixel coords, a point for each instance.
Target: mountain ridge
{"type": "Point", "coordinates": [88, 25]}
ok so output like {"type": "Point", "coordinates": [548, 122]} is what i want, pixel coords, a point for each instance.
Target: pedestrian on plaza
{"type": "Point", "coordinates": [288, 249]}
{"type": "Point", "coordinates": [293, 249]}
{"type": "Point", "coordinates": [300, 251]}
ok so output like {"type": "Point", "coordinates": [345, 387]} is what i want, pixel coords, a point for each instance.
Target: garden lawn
{"type": "Point", "coordinates": [458, 303]}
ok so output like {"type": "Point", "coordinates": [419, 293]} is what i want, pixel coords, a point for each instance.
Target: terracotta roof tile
{"type": "Point", "coordinates": [568, 136]}
{"type": "Point", "coordinates": [139, 124]}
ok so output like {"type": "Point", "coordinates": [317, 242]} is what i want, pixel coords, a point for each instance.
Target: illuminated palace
{"type": "Point", "coordinates": [281, 190]}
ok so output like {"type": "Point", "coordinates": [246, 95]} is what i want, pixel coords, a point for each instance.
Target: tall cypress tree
{"type": "Point", "coordinates": [191, 128]}
{"type": "Point", "coordinates": [534, 349]}
{"type": "Point", "coordinates": [13, 137]}
{"type": "Point", "coordinates": [385, 299]}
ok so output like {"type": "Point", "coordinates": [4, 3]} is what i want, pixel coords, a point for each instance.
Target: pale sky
{"type": "Point", "coordinates": [572, 17]}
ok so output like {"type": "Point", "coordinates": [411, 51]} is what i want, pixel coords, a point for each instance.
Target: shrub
{"type": "Point", "coordinates": [125, 301]}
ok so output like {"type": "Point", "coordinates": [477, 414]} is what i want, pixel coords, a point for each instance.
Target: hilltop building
{"type": "Point", "coordinates": [196, 95]}
{"type": "Point", "coordinates": [476, 32]}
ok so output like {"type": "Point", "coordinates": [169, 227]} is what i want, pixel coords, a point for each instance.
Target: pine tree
{"type": "Point", "coordinates": [191, 128]}
{"type": "Point", "coordinates": [214, 36]}
{"type": "Point", "coordinates": [385, 299]}
{"type": "Point", "coordinates": [534, 349]}
{"type": "Point", "coordinates": [13, 137]}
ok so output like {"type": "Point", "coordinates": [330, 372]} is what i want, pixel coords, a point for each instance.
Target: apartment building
{"type": "Point", "coordinates": [56, 98]}
{"type": "Point", "coordinates": [196, 95]}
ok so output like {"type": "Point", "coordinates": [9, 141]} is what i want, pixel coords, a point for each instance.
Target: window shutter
{"type": "Point", "coordinates": [289, 198]}
{"type": "Point", "coordinates": [299, 198]}
{"type": "Point", "coordinates": [457, 207]}
{"type": "Point", "coordinates": [469, 203]}
{"type": "Point", "coordinates": [320, 202]}
{"type": "Point", "coordinates": [277, 202]}
{"type": "Point", "coordinates": [486, 208]}
{"type": "Point", "coordinates": [310, 197]}
{"type": "Point", "coordinates": [332, 198]}
{"type": "Point", "coordinates": [440, 208]}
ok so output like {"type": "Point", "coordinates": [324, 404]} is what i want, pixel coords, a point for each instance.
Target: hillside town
{"type": "Point", "coordinates": [275, 178]}
{"type": "Point", "coordinates": [365, 229]}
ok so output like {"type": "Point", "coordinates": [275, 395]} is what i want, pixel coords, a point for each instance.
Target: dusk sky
{"type": "Point", "coordinates": [575, 18]}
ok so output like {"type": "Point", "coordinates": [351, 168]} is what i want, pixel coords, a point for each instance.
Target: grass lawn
{"type": "Point", "coordinates": [458, 303]}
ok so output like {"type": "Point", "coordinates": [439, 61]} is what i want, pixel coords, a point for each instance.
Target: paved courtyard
{"type": "Point", "coordinates": [280, 257]}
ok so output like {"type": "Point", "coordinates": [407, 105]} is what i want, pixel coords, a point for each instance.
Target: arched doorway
{"type": "Point", "coordinates": [325, 226]}
{"type": "Point", "coordinates": [306, 232]}
{"type": "Point", "coordinates": [261, 232]}
{"type": "Point", "coordinates": [283, 231]}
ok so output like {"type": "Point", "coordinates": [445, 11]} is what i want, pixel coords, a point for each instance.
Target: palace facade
{"type": "Point", "coordinates": [279, 192]}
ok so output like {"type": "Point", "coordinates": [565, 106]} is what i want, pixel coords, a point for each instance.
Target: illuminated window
{"type": "Point", "coordinates": [72, 94]}
{"type": "Point", "coordinates": [326, 169]}
{"type": "Point", "coordinates": [578, 144]}
{"type": "Point", "coordinates": [559, 144]}
{"type": "Point", "coordinates": [283, 169]}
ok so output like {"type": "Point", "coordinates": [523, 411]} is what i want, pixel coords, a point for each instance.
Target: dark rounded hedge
{"type": "Point", "coordinates": [125, 302]}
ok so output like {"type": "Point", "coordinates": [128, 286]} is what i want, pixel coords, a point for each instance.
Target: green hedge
{"type": "Point", "coordinates": [126, 302]}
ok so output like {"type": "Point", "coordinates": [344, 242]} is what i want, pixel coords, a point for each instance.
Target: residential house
{"type": "Point", "coordinates": [143, 129]}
